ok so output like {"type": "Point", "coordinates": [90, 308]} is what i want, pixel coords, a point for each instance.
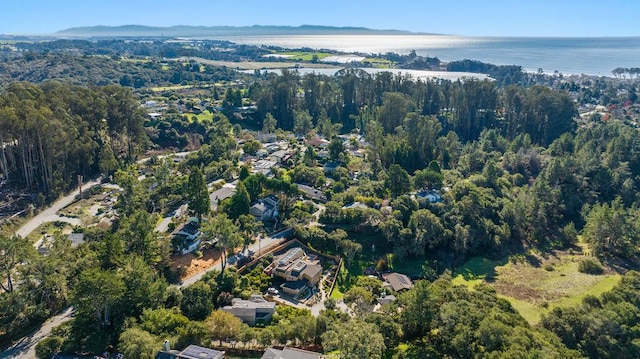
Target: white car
{"type": "Point", "coordinates": [273, 291]}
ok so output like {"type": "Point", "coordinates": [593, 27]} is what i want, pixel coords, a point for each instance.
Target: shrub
{"type": "Point", "coordinates": [48, 347]}
{"type": "Point", "coordinates": [590, 266]}
{"type": "Point", "coordinates": [548, 267]}
{"type": "Point", "coordinates": [382, 265]}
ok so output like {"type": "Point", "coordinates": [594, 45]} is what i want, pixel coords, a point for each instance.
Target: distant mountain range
{"type": "Point", "coordinates": [210, 31]}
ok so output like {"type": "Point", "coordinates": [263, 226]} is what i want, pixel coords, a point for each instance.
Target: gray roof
{"type": "Point", "coordinates": [250, 304]}
{"type": "Point", "coordinates": [312, 270]}
{"type": "Point", "coordinates": [197, 352]}
{"type": "Point", "coordinates": [398, 281]}
{"type": "Point", "coordinates": [311, 192]}
{"type": "Point", "coordinates": [76, 238]}
{"type": "Point", "coordinates": [290, 353]}
{"type": "Point", "coordinates": [219, 195]}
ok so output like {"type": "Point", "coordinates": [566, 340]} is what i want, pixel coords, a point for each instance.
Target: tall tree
{"type": "Point", "coordinates": [138, 343]}
{"type": "Point", "coordinates": [398, 181]}
{"type": "Point", "coordinates": [221, 228]}
{"type": "Point", "coordinates": [355, 339]}
{"type": "Point", "coordinates": [224, 326]}
{"type": "Point", "coordinates": [239, 203]}
{"type": "Point", "coordinates": [197, 192]}
{"type": "Point", "coordinates": [14, 251]}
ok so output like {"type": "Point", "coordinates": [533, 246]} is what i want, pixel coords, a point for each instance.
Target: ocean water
{"type": "Point", "coordinates": [591, 56]}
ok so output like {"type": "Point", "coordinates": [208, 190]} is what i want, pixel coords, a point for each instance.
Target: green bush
{"type": "Point", "coordinates": [589, 266]}
{"type": "Point", "coordinates": [48, 346]}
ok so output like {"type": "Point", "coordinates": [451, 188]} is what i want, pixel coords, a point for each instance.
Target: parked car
{"type": "Point", "coordinates": [272, 291]}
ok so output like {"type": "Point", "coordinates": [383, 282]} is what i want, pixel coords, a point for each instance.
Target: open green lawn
{"type": "Point", "coordinates": [378, 63]}
{"type": "Point", "coordinates": [535, 284]}
{"type": "Point", "coordinates": [304, 56]}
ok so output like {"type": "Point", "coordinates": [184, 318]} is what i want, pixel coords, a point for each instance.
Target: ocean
{"type": "Point", "coordinates": [591, 56]}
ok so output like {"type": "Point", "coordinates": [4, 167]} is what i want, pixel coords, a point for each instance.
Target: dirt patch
{"type": "Point", "coordinates": [193, 265]}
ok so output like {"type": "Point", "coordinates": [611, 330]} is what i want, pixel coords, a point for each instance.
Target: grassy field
{"type": "Point", "coordinates": [378, 63]}
{"type": "Point", "coordinates": [304, 56]}
{"type": "Point", "coordinates": [535, 283]}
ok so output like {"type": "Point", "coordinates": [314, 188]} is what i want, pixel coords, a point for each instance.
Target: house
{"type": "Point", "coordinates": [217, 196]}
{"type": "Point", "coordinates": [298, 270]}
{"type": "Point", "coordinates": [252, 311]}
{"type": "Point", "coordinates": [265, 208]}
{"type": "Point", "coordinates": [263, 166]}
{"type": "Point", "coordinates": [290, 353]}
{"type": "Point", "coordinates": [397, 281]}
{"type": "Point", "coordinates": [322, 155]}
{"type": "Point", "coordinates": [189, 234]}
{"type": "Point", "coordinates": [386, 299]}
{"type": "Point", "coordinates": [318, 142]}
{"type": "Point", "coordinates": [431, 196]}
{"type": "Point", "coordinates": [189, 230]}
{"type": "Point", "coordinates": [190, 352]}
{"type": "Point", "coordinates": [154, 115]}
{"type": "Point", "coordinates": [356, 205]}
{"type": "Point", "coordinates": [76, 239]}
{"type": "Point", "coordinates": [279, 156]}
{"type": "Point", "coordinates": [312, 193]}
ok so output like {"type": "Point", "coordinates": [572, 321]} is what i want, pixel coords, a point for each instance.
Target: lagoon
{"type": "Point", "coordinates": [591, 56]}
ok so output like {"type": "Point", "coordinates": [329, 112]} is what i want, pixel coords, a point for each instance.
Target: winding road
{"type": "Point", "coordinates": [25, 347]}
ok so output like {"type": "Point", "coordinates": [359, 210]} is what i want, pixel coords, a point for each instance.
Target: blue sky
{"type": "Point", "coordinates": [461, 17]}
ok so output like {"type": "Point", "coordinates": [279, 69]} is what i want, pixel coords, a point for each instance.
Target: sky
{"type": "Point", "coordinates": [584, 18]}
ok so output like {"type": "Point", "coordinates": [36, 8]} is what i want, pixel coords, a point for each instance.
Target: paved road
{"type": "Point", "coordinates": [49, 214]}
{"type": "Point", "coordinates": [25, 348]}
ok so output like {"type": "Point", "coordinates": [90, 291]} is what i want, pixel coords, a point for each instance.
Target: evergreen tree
{"type": "Point", "coordinates": [197, 192]}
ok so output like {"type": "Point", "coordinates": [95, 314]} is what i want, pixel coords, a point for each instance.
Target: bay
{"type": "Point", "coordinates": [591, 56]}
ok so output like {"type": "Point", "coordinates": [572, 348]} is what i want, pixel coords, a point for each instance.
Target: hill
{"type": "Point", "coordinates": [208, 31]}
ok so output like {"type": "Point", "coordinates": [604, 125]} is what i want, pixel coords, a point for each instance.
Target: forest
{"type": "Point", "coordinates": [517, 169]}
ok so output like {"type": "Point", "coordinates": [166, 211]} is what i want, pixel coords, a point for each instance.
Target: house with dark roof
{"type": "Point", "coordinates": [312, 193]}
{"type": "Point", "coordinates": [188, 234]}
{"type": "Point", "coordinates": [330, 167]}
{"type": "Point", "coordinates": [397, 281]}
{"type": "Point", "coordinates": [252, 311]}
{"type": "Point", "coordinates": [290, 353]}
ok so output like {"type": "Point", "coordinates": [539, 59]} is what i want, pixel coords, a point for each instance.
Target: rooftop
{"type": "Point", "coordinates": [252, 303]}
{"type": "Point", "coordinates": [197, 352]}
{"type": "Point", "coordinates": [398, 281]}
{"type": "Point", "coordinates": [290, 353]}
{"type": "Point", "coordinates": [291, 255]}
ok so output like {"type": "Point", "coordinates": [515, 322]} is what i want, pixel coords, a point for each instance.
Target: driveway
{"type": "Point", "coordinates": [49, 214]}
